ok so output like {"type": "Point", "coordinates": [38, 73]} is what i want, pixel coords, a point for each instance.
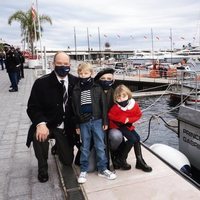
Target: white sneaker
{"type": "Point", "coordinates": [107, 174]}
{"type": "Point", "coordinates": [82, 177]}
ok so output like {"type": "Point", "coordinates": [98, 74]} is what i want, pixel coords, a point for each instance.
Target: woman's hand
{"type": "Point", "coordinates": [78, 131]}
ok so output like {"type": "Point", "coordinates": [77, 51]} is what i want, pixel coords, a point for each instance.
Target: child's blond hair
{"type": "Point", "coordinates": [84, 66]}
{"type": "Point", "coordinates": [122, 89]}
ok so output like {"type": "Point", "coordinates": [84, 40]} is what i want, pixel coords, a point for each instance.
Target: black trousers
{"type": "Point", "coordinates": [64, 149]}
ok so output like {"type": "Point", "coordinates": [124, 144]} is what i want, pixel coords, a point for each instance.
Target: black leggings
{"type": "Point", "coordinates": [131, 136]}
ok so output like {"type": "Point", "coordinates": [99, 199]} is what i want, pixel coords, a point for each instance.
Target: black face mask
{"type": "Point", "coordinates": [123, 103]}
{"type": "Point", "coordinates": [106, 85]}
{"type": "Point", "coordinates": [86, 80]}
{"type": "Point", "coordinates": [62, 71]}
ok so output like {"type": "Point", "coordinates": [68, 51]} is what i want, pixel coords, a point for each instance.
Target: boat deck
{"type": "Point", "coordinates": [162, 183]}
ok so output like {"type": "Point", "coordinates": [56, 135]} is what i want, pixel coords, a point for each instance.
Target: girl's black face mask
{"type": "Point", "coordinates": [62, 71]}
{"type": "Point", "coordinates": [123, 103]}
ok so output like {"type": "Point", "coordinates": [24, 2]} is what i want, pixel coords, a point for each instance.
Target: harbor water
{"type": "Point", "coordinates": [156, 127]}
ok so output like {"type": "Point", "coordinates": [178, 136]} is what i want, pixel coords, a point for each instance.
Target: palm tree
{"type": "Point", "coordinates": [26, 20]}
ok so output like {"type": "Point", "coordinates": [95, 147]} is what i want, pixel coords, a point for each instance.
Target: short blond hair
{"type": "Point", "coordinates": [84, 66]}
{"type": "Point", "coordinates": [122, 89]}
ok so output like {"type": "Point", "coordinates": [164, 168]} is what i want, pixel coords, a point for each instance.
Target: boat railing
{"type": "Point", "coordinates": [187, 83]}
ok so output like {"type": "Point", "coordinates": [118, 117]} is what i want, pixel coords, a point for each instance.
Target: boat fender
{"type": "Point", "coordinates": [173, 156]}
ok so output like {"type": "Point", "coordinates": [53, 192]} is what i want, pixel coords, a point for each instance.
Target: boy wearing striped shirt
{"type": "Point", "coordinates": [90, 107]}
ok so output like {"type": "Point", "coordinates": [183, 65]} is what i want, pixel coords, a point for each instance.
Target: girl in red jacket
{"type": "Point", "coordinates": [122, 115]}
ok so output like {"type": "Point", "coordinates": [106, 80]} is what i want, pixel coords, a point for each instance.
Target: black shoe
{"type": "Point", "coordinates": [121, 164]}
{"type": "Point", "coordinates": [43, 176]}
{"type": "Point", "coordinates": [116, 165]}
{"type": "Point", "coordinates": [13, 90]}
{"type": "Point", "coordinates": [143, 166]}
{"type": "Point", "coordinates": [54, 149]}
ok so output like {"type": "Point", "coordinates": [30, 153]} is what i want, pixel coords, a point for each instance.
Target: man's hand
{"type": "Point", "coordinates": [42, 132]}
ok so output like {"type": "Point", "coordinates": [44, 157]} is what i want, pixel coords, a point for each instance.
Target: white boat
{"type": "Point", "coordinates": [193, 99]}
{"type": "Point", "coordinates": [191, 52]}
{"type": "Point", "coordinates": [142, 58]}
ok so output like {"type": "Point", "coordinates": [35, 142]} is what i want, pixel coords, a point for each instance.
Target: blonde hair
{"type": "Point", "coordinates": [122, 89]}
{"type": "Point", "coordinates": [84, 66]}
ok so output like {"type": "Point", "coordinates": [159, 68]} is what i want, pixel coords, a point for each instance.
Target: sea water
{"type": "Point", "coordinates": [156, 127]}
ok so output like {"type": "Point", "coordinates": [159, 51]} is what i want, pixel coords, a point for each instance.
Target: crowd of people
{"type": "Point", "coordinates": [87, 112]}
{"type": "Point", "coordinates": [12, 60]}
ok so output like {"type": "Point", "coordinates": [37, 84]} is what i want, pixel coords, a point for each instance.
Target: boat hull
{"type": "Point", "coordinates": [189, 134]}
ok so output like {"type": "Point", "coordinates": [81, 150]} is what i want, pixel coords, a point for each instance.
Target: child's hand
{"type": "Point", "coordinates": [105, 127]}
{"type": "Point", "coordinates": [126, 121]}
{"type": "Point", "coordinates": [78, 131]}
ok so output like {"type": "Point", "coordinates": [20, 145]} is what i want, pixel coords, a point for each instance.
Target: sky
{"type": "Point", "coordinates": [126, 25]}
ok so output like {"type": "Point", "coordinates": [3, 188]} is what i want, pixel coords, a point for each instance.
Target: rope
{"type": "Point", "coordinates": [149, 126]}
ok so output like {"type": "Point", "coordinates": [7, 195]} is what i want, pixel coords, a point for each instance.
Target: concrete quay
{"type": "Point", "coordinates": [18, 165]}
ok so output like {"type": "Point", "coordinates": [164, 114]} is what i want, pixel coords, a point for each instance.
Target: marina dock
{"type": "Point", "coordinates": [18, 174]}
{"type": "Point", "coordinates": [149, 94]}
{"type": "Point", "coordinates": [161, 184]}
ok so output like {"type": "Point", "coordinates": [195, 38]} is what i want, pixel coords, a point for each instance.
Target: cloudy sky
{"type": "Point", "coordinates": [126, 24]}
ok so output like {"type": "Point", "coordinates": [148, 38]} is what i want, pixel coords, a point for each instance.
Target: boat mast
{"type": "Point", "coordinates": [99, 45]}
{"type": "Point", "coordinates": [171, 44]}
{"type": "Point", "coordinates": [152, 45]}
{"type": "Point", "coordinates": [75, 43]}
{"type": "Point", "coordinates": [88, 41]}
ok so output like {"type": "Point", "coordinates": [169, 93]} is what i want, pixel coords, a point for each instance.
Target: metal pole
{"type": "Point", "coordinates": [45, 59]}
{"type": "Point", "coordinates": [152, 44]}
{"type": "Point", "coordinates": [75, 43]}
{"type": "Point", "coordinates": [40, 37]}
{"type": "Point", "coordinates": [171, 43]}
{"type": "Point", "coordinates": [99, 36]}
{"type": "Point", "coordinates": [34, 24]}
{"type": "Point", "coordinates": [88, 41]}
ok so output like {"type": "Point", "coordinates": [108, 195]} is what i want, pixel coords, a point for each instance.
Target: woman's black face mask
{"type": "Point", "coordinates": [106, 85]}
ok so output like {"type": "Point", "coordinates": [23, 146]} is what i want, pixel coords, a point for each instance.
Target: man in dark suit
{"type": "Point", "coordinates": [51, 114]}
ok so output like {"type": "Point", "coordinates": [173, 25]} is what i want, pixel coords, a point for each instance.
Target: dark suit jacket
{"type": "Point", "coordinates": [45, 104]}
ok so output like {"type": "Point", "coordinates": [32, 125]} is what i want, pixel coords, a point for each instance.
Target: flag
{"type": "Point", "coordinates": [105, 35]}
{"type": "Point", "coordinates": [157, 38]}
{"type": "Point", "coordinates": [118, 36]}
{"type": "Point", "coordinates": [170, 37]}
{"type": "Point", "coordinates": [145, 37]}
{"type": "Point", "coordinates": [33, 12]}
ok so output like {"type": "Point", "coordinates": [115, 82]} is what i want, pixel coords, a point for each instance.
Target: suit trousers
{"type": "Point", "coordinates": [64, 148]}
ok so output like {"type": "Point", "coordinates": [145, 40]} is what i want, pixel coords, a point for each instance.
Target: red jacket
{"type": "Point", "coordinates": [118, 116]}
